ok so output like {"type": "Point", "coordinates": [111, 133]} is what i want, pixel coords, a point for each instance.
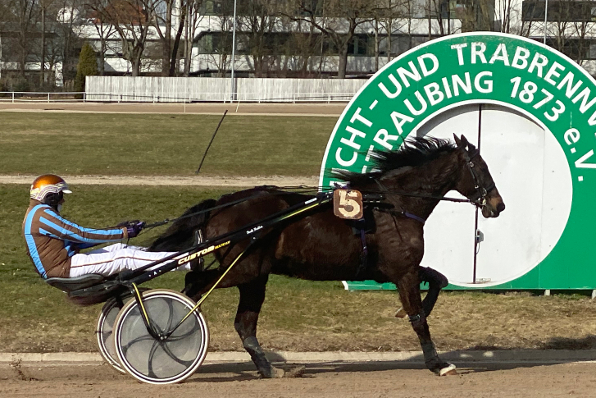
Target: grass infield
{"type": "Point", "coordinates": [158, 144]}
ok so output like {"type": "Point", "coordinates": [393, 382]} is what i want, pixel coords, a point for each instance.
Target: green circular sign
{"type": "Point", "coordinates": [481, 67]}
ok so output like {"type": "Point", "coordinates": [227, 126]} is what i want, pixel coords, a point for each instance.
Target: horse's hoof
{"type": "Point", "coordinates": [273, 373]}
{"type": "Point", "coordinates": [448, 370]}
{"type": "Point", "coordinates": [277, 373]}
{"type": "Point", "coordinates": [297, 371]}
{"type": "Point", "coordinates": [400, 313]}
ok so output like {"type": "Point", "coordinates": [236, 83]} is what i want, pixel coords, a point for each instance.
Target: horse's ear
{"type": "Point", "coordinates": [464, 141]}
{"type": "Point", "coordinates": [457, 140]}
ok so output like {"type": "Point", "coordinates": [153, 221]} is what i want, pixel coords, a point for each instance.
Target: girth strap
{"type": "Point", "coordinates": [361, 227]}
{"type": "Point", "coordinates": [404, 213]}
{"type": "Point", "coordinates": [413, 216]}
{"type": "Point", "coordinates": [364, 255]}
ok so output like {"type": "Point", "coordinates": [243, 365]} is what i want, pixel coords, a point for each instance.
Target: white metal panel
{"type": "Point", "coordinates": [532, 175]}
{"type": "Point", "coordinates": [513, 147]}
{"type": "Point", "coordinates": [449, 231]}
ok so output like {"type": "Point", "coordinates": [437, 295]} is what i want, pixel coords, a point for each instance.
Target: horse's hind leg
{"type": "Point", "coordinates": [409, 293]}
{"type": "Point", "coordinates": [252, 295]}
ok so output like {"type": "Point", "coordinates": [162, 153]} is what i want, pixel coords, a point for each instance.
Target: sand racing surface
{"type": "Point", "coordinates": [370, 379]}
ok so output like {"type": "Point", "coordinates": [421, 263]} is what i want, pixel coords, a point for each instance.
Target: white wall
{"type": "Point", "coordinates": [192, 89]}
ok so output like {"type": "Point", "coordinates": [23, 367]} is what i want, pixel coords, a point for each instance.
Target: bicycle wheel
{"type": "Point", "coordinates": [178, 352]}
{"type": "Point", "coordinates": [103, 333]}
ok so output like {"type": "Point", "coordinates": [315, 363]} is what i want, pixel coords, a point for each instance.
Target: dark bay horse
{"type": "Point", "coordinates": [320, 246]}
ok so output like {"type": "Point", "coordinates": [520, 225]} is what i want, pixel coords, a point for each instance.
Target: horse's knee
{"type": "Point", "coordinates": [434, 278]}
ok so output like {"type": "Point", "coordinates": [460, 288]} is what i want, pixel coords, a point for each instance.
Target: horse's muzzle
{"type": "Point", "coordinates": [492, 210]}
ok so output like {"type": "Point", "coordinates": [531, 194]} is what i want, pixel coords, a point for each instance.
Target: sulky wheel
{"type": "Point", "coordinates": [174, 350]}
{"type": "Point", "coordinates": [103, 332]}
{"type": "Point", "coordinates": [105, 328]}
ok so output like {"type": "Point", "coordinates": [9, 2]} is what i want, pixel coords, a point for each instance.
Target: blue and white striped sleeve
{"type": "Point", "coordinates": [53, 225]}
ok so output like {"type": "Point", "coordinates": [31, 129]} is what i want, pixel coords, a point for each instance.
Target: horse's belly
{"type": "Point", "coordinates": [308, 251]}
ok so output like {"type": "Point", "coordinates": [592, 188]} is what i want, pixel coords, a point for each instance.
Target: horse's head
{"type": "Point", "coordinates": [476, 183]}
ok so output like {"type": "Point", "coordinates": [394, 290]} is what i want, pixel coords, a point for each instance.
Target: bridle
{"type": "Point", "coordinates": [480, 194]}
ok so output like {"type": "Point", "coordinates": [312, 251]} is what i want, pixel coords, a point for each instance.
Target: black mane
{"type": "Point", "coordinates": [415, 151]}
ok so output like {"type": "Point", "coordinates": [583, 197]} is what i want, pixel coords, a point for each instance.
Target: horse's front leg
{"type": "Point", "coordinates": [252, 295]}
{"type": "Point", "coordinates": [436, 282]}
{"type": "Point", "coordinates": [409, 293]}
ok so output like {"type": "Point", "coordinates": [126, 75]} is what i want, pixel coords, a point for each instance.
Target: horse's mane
{"type": "Point", "coordinates": [414, 152]}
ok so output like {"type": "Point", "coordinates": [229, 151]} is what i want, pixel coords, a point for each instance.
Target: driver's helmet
{"type": "Point", "coordinates": [48, 189]}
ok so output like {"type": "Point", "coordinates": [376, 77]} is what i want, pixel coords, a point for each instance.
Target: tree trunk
{"type": "Point", "coordinates": [343, 62]}
{"type": "Point", "coordinates": [102, 60]}
{"type": "Point", "coordinates": [167, 43]}
{"type": "Point", "coordinates": [172, 71]}
{"type": "Point", "coordinates": [43, 46]}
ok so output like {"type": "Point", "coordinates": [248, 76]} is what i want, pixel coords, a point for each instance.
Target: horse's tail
{"type": "Point", "coordinates": [180, 235]}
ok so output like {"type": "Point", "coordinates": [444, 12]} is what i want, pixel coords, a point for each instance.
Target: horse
{"type": "Point", "coordinates": [318, 245]}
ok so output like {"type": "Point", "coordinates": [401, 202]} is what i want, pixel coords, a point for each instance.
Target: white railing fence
{"type": "Point", "coordinates": [21, 96]}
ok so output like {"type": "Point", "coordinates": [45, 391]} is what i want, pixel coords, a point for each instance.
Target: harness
{"type": "Point", "coordinates": [375, 202]}
{"type": "Point", "coordinates": [482, 192]}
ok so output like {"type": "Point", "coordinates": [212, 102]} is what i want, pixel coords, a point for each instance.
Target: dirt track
{"type": "Point", "coordinates": [226, 181]}
{"type": "Point", "coordinates": [303, 109]}
{"type": "Point", "coordinates": [380, 379]}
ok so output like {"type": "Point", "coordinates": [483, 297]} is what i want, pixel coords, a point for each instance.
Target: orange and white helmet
{"type": "Point", "coordinates": [48, 186]}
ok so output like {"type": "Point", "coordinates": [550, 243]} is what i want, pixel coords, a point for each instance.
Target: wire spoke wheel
{"type": "Point", "coordinates": [179, 351]}
{"type": "Point", "coordinates": [104, 330]}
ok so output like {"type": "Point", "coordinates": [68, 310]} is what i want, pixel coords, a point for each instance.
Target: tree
{"type": "Point", "coordinates": [337, 20]}
{"type": "Point", "coordinates": [87, 66]}
{"type": "Point", "coordinates": [476, 15]}
{"type": "Point", "coordinates": [192, 20]}
{"type": "Point", "coordinates": [132, 19]}
{"type": "Point", "coordinates": [105, 31]}
{"type": "Point", "coordinates": [25, 14]}
{"type": "Point", "coordinates": [503, 14]}
{"type": "Point", "coordinates": [257, 23]}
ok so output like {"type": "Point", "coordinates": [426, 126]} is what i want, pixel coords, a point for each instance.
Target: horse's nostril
{"type": "Point", "coordinates": [500, 207]}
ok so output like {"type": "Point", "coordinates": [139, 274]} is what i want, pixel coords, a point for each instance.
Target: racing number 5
{"type": "Point", "coordinates": [347, 204]}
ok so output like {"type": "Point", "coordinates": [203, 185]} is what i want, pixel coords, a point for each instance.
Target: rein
{"type": "Point", "coordinates": [298, 189]}
{"type": "Point", "coordinates": [305, 189]}
{"type": "Point", "coordinates": [479, 201]}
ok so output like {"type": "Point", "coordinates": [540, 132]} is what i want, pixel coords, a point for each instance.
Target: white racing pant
{"type": "Point", "coordinates": [116, 258]}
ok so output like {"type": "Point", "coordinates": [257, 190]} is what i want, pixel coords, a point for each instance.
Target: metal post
{"type": "Point", "coordinates": [233, 53]}
{"type": "Point", "coordinates": [545, 19]}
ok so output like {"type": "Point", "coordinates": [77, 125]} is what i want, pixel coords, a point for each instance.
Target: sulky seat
{"type": "Point", "coordinates": [79, 282]}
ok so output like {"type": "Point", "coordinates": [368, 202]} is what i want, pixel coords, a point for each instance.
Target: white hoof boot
{"type": "Point", "coordinates": [448, 370]}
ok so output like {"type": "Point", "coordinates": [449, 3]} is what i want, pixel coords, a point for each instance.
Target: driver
{"type": "Point", "coordinates": [53, 243]}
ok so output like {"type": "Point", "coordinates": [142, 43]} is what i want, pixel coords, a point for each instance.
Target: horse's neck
{"type": "Point", "coordinates": [433, 179]}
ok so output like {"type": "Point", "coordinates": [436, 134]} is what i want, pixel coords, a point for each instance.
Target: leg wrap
{"type": "Point", "coordinates": [252, 346]}
{"type": "Point", "coordinates": [417, 321]}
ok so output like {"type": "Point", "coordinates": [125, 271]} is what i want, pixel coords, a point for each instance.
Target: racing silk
{"type": "Point", "coordinates": [52, 240]}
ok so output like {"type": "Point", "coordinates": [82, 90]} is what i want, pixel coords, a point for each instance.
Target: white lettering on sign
{"type": "Point", "coordinates": [383, 136]}
{"type": "Point", "coordinates": [427, 64]}
{"type": "Point", "coordinates": [581, 162]}
{"type": "Point", "coordinates": [426, 94]}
